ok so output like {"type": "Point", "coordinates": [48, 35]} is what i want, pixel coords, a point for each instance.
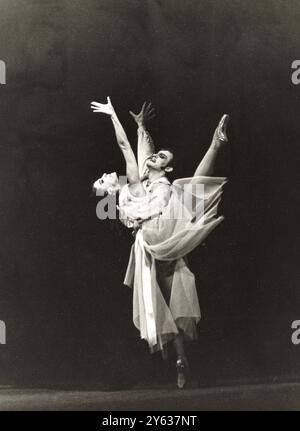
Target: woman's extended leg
{"type": "Point", "coordinates": [207, 164]}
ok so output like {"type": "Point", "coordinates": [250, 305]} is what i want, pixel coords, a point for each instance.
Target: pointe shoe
{"type": "Point", "coordinates": [182, 368]}
{"type": "Point", "coordinates": [221, 129]}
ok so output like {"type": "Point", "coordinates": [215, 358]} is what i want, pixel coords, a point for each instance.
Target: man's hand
{"type": "Point", "coordinates": [146, 114]}
{"type": "Point", "coordinates": [107, 108]}
{"type": "Point", "coordinates": [137, 224]}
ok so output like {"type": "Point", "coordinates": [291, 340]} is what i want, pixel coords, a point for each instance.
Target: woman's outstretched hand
{"type": "Point", "coordinates": [103, 108]}
{"type": "Point", "coordinates": [146, 114]}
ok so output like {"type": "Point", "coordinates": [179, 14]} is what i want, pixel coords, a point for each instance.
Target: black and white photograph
{"type": "Point", "coordinates": [149, 217]}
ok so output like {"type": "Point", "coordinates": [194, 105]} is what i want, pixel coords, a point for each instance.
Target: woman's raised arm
{"type": "Point", "coordinates": [132, 171]}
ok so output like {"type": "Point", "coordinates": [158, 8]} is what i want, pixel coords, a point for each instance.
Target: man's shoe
{"type": "Point", "coordinates": [182, 368]}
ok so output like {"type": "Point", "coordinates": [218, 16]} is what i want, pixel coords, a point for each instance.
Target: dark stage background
{"type": "Point", "coordinates": [68, 316]}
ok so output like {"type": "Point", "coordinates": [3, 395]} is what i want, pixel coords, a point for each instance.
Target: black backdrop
{"type": "Point", "coordinates": [67, 313]}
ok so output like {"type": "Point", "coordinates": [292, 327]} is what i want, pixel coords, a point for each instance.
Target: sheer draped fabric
{"type": "Point", "coordinates": [185, 223]}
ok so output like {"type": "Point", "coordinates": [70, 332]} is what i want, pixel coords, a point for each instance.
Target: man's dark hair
{"type": "Point", "coordinates": [172, 163]}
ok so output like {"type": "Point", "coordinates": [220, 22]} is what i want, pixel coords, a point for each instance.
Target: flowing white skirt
{"type": "Point", "coordinates": [185, 223]}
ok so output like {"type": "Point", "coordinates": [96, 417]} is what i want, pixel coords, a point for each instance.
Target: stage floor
{"type": "Point", "coordinates": [281, 396]}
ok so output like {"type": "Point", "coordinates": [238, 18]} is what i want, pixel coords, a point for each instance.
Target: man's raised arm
{"type": "Point", "coordinates": [145, 142]}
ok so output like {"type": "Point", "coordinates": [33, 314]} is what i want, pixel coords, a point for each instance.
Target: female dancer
{"type": "Point", "coordinates": [169, 221]}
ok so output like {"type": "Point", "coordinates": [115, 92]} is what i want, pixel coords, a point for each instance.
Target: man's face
{"type": "Point", "coordinates": [160, 160]}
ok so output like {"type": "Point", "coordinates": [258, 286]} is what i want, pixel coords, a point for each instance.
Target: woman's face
{"type": "Point", "coordinates": [105, 183]}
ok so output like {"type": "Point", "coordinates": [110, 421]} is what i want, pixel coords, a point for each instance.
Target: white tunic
{"type": "Point", "coordinates": [157, 196]}
{"type": "Point", "coordinates": [170, 237]}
